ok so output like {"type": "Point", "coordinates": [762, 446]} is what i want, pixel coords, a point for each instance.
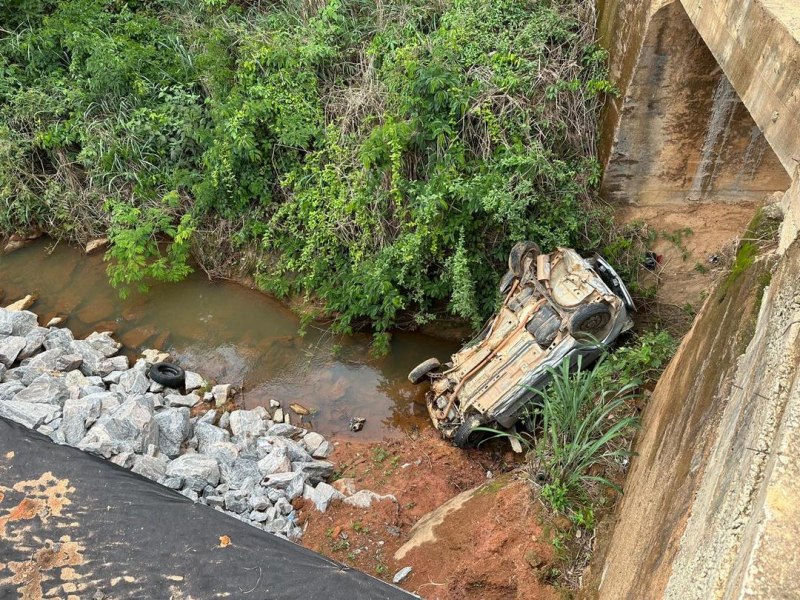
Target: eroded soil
{"type": "Point", "coordinates": [493, 546]}
{"type": "Point", "coordinates": [695, 242]}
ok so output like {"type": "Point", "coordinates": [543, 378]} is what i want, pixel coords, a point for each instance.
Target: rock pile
{"type": "Point", "coordinates": [249, 463]}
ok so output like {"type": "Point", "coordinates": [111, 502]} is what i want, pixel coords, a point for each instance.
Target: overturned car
{"type": "Point", "coordinates": [556, 305]}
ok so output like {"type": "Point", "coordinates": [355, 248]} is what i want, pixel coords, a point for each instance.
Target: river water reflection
{"type": "Point", "coordinates": [234, 335]}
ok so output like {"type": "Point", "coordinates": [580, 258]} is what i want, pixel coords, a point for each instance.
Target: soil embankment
{"type": "Point", "coordinates": [486, 538]}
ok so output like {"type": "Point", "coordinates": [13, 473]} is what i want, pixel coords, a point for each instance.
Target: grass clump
{"type": "Point", "coordinates": [582, 421]}
{"type": "Point", "coordinates": [580, 427]}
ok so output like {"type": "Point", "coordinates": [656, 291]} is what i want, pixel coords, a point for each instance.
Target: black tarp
{"type": "Point", "coordinates": [74, 524]}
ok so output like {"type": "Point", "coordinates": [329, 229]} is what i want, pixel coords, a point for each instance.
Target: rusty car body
{"type": "Point", "coordinates": [556, 305]}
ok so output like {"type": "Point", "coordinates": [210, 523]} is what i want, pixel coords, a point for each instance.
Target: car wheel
{"type": "Point", "coordinates": [591, 319]}
{"type": "Point", "coordinates": [518, 254]}
{"type": "Point", "coordinates": [168, 375]}
{"type": "Point", "coordinates": [506, 282]}
{"type": "Point", "coordinates": [466, 436]}
{"type": "Point", "coordinates": [421, 371]}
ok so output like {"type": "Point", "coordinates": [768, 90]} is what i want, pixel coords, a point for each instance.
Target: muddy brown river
{"type": "Point", "coordinates": [234, 335]}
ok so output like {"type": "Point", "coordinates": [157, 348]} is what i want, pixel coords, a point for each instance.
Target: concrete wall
{"type": "Point", "coordinates": [712, 501]}
{"type": "Point", "coordinates": [679, 131]}
{"type": "Point", "coordinates": [757, 44]}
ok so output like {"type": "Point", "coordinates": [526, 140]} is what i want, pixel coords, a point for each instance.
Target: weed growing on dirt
{"type": "Point", "coordinates": [625, 247]}
{"type": "Point", "coordinates": [677, 237]}
{"type": "Point", "coordinates": [379, 454]}
{"type": "Point", "coordinates": [582, 421]}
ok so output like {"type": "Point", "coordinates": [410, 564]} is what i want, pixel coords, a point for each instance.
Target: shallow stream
{"type": "Point", "coordinates": [234, 335]}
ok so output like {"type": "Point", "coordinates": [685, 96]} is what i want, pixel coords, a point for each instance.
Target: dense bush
{"type": "Point", "coordinates": [383, 155]}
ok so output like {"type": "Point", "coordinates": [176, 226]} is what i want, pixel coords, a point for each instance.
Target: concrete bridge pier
{"type": "Point", "coordinates": [709, 112]}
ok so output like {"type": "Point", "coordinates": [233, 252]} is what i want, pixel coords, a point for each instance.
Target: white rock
{"type": "Point", "coordinates": [247, 423]}
{"type": "Point", "coordinates": [276, 461]}
{"type": "Point", "coordinates": [152, 356]}
{"type": "Point", "coordinates": [291, 483]}
{"type": "Point", "coordinates": [221, 393]}
{"type": "Point", "coordinates": [29, 414]}
{"type": "Point", "coordinates": [189, 400]}
{"type": "Point", "coordinates": [45, 390]}
{"type": "Point", "coordinates": [173, 429]}
{"type": "Point", "coordinates": [208, 434]}
{"type": "Point", "coordinates": [324, 450]}
{"type": "Point", "coordinates": [401, 574]}
{"type": "Point", "coordinates": [22, 303]}
{"type": "Point", "coordinates": [193, 381]}
{"type": "Point", "coordinates": [130, 426]}
{"type": "Point", "coordinates": [10, 347]}
{"type": "Point", "coordinates": [365, 498]}
{"type": "Point", "coordinates": [195, 468]}
{"type": "Point", "coordinates": [322, 495]}
{"type": "Point", "coordinates": [225, 452]}
{"type": "Point", "coordinates": [79, 415]}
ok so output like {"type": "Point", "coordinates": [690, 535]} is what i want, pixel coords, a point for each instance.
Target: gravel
{"type": "Point", "coordinates": [250, 464]}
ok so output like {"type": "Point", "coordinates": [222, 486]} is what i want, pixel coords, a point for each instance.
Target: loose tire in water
{"type": "Point", "coordinates": [168, 375]}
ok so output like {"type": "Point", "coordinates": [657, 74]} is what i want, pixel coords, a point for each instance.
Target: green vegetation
{"type": "Point", "coordinates": [377, 159]}
{"type": "Point", "coordinates": [626, 248]}
{"type": "Point", "coordinates": [581, 423]}
{"type": "Point", "coordinates": [677, 237]}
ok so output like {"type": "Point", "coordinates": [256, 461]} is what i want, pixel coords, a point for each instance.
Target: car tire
{"type": "Point", "coordinates": [421, 371]}
{"type": "Point", "coordinates": [590, 319]}
{"type": "Point", "coordinates": [518, 254]}
{"type": "Point", "coordinates": [168, 375]}
{"type": "Point", "coordinates": [466, 436]}
{"type": "Point", "coordinates": [506, 282]}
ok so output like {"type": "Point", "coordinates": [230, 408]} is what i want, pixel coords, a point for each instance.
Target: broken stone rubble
{"type": "Point", "coordinates": [249, 463]}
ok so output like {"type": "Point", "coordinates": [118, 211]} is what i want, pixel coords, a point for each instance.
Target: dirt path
{"type": "Point", "coordinates": [695, 243]}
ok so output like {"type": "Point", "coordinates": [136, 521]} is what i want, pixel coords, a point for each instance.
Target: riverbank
{"type": "Point", "coordinates": [355, 502]}
{"type": "Point", "coordinates": [236, 335]}
{"type": "Point", "coordinates": [251, 464]}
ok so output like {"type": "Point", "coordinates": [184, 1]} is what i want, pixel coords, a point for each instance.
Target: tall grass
{"type": "Point", "coordinates": [584, 422]}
